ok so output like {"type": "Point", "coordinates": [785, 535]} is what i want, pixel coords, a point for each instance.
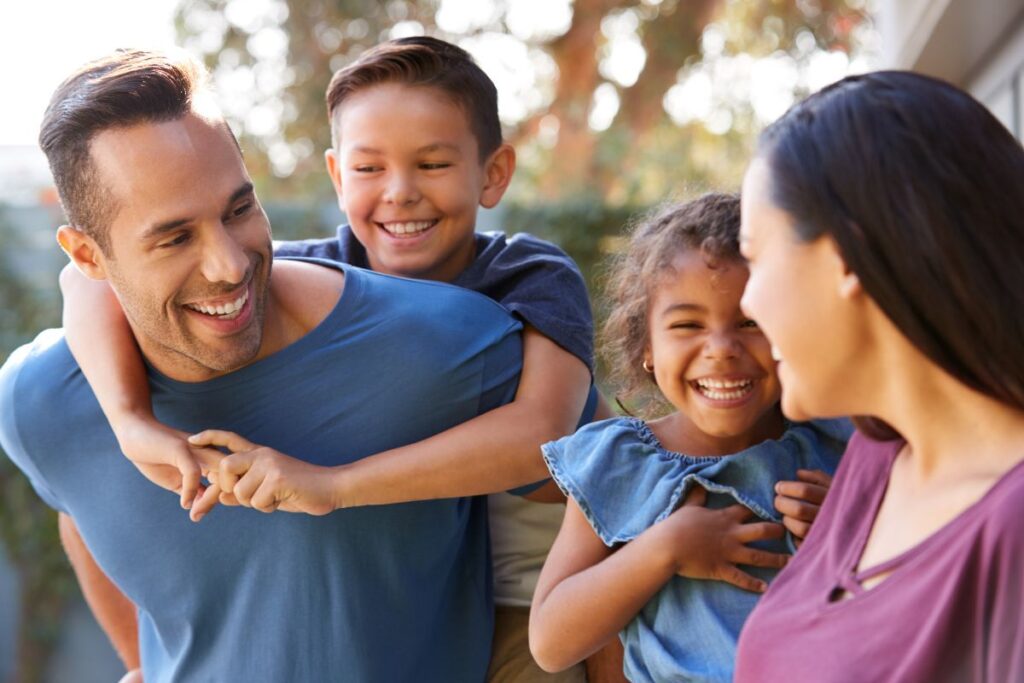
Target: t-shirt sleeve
{"type": "Point", "coordinates": [11, 412]}
{"type": "Point", "coordinates": [1003, 588]}
{"type": "Point", "coordinates": [326, 248]}
{"type": "Point", "coordinates": [540, 284]}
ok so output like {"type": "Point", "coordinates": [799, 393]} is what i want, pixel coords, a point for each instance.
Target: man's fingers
{"type": "Point", "coordinates": [797, 509]}
{"type": "Point", "coordinates": [190, 476]}
{"type": "Point", "coordinates": [228, 499]}
{"type": "Point", "coordinates": [206, 501]}
{"type": "Point", "coordinates": [221, 439]}
{"type": "Point", "coordinates": [743, 580]}
{"type": "Point", "coordinates": [812, 493]}
{"type": "Point", "coordinates": [245, 488]}
{"type": "Point", "coordinates": [697, 496]}
{"type": "Point", "coordinates": [232, 468]}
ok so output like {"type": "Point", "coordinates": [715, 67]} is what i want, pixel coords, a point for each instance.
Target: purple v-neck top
{"type": "Point", "coordinates": [952, 608]}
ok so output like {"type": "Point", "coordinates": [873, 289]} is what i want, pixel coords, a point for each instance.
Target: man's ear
{"type": "Point", "coordinates": [83, 251]}
{"type": "Point", "coordinates": [334, 170]}
{"type": "Point", "coordinates": [498, 170]}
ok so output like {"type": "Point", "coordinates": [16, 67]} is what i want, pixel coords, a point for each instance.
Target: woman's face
{"type": "Point", "coordinates": [799, 293]}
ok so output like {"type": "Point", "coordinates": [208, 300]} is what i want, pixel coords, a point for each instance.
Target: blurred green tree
{"type": "Point", "coordinates": [28, 528]}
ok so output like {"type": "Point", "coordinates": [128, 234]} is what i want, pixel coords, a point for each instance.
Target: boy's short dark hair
{"type": "Point", "coordinates": [123, 89]}
{"type": "Point", "coordinates": [427, 62]}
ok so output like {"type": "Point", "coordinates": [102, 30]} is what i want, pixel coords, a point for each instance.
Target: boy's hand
{"type": "Point", "coordinates": [800, 501]}
{"type": "Point", "coordinates": [708, 544]}
{"type": "Point", "coordinates": [163, 455]}
{"type": "Point", "coordinates": [262, 478]}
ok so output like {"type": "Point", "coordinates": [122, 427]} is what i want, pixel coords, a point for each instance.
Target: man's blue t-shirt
{"type": "Point", "coordinates": [381, 593]}
{"type": "Point", "coordinates": [534, 279]}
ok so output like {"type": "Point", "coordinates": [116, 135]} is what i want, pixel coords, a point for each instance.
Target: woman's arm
{"type": "Point", "coordinates": [104, 346]}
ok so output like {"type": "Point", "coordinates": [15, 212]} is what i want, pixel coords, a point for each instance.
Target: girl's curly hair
{"type": "Point", "coordinates": [709, 224]}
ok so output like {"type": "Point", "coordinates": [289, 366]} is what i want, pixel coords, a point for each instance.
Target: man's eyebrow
{"type": "Point", "coordinates": [164, 227]}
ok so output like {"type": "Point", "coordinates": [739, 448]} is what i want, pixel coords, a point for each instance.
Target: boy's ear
{"type": "Point", "coordinates": [498, 170]}
{"type": "Point", "coordinates": [334, 170]}
{"type": "Point", "coordinates": [83, 252]}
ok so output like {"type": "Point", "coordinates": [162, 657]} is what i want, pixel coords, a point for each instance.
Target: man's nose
{"type": "Point", "coordinates": [224, 259]}
{"type": "Point", "coordinates": [401, 189]}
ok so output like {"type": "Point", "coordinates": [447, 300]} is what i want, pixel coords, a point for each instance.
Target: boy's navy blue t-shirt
{"type": "Point", "coordinates": [534, 279]}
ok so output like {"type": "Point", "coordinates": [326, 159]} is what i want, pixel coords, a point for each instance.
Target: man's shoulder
{"type": "Point", "coordinates": [520, 246]}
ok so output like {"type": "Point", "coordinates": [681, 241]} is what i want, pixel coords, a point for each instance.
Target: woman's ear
{"type": "Point", "coordinates": [83, 251]}
{"type": "Point", "coordinates": [848, 282]}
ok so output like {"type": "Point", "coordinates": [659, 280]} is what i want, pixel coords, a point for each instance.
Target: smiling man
{"type": "Point", "coordinates": [160, 205]}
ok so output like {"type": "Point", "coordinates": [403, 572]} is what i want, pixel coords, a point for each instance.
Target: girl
{"type": "Point", "coordinates": [886, 212]}
{"type": "Point", "coordinates": [677, 322]}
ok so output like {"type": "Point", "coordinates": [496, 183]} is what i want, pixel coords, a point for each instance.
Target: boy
{"type": "Point", "coordinates": [416, 149]}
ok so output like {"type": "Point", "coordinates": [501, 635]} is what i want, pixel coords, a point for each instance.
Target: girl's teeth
{"type": "Point", "coordinates": [724, 390]}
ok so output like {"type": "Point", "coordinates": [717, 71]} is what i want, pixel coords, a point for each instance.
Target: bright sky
{"type": "Point", "coordinates": [43, 41]}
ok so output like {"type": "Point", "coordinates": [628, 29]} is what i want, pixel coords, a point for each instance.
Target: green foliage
{"type": "Point", "coordinates": [28, 528]}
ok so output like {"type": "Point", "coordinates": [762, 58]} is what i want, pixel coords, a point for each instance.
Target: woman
{"type": "Point", "coordinates": [883, 219]}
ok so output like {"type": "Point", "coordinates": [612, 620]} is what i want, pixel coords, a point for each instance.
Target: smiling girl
{"type": "Point", "coordinates": [628, 556]}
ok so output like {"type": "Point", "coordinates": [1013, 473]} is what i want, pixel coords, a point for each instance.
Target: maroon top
{"type": "Point", "coordinates": [951, 610]}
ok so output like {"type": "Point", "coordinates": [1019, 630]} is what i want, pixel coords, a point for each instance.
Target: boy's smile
{"type": "Point", "coordinates": [409, 177]}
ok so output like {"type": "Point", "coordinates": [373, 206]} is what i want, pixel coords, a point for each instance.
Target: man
{"type": "Point", "coordinates": [160, 205]}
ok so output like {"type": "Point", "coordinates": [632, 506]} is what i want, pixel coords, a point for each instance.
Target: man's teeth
{"type": "Point", "coordinates": [407, 228]}
{"type": "Point", "coordinates": [724, 390]}
{"type": "Point", "coordinates": [227, 311]}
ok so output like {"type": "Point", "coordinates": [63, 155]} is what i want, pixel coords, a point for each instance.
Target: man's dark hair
{"type": "Point", "coordinates": [427, 62]}
{"type": "Point", "coordinates": [920, 186]}
{"type": "Point", "coordinates": [121, 90]}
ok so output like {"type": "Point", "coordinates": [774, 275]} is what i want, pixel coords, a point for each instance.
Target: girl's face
{"type": "Point", "coordinates": [710, 360]}
{"type": "Point", "coordinates": [800, 295]}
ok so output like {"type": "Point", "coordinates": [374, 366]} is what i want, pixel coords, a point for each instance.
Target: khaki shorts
{"type": "Point", "coordinates": [511, 661]}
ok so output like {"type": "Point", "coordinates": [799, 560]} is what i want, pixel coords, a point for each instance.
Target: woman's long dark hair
{"type": "Point", "coordinates": [922, 189]}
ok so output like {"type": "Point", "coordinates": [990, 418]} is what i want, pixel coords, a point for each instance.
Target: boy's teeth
{"type": "Point", "coordinates": [407, 228]}
{"type": "Point", "coordinates": [226, 311]}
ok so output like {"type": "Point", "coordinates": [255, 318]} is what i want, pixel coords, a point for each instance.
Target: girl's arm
{"type": "Point", "coordinates": [587, 593]}
{"type": "Point", "coordinates": [493, 452]}
{"type": "Point", "coordinates": [102, 343]}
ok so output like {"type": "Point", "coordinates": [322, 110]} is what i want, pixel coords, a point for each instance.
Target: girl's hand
{"type": "Point", "coordinates": [163, 455]}
{"type": "Point", "coordinates": [708, 544]}
{"type": "Point", "coordinates": [800, 501]}
{"type": "Point", "coordinates": [264, 479]}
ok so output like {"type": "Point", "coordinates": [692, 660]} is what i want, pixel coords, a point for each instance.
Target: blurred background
{"type": "Point", "coordinates": [613, 106]}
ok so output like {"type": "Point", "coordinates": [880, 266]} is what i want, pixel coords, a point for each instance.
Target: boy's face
{"type": "Point", "coordinates": [409, 178]}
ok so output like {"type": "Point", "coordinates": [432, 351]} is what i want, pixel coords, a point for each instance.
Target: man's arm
{"type": "Point", "coordinates": [114, 612]}
{"type": "Point", "coordinates": [496, 451]}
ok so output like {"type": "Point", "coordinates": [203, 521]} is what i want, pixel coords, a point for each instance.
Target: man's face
{"type": "Point", "coordinates": [190, 252]}
{"type": "Point", "coordinates": [408, 175]}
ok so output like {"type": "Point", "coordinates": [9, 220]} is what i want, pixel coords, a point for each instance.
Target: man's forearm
{"type": "Point", "coordinates": [114, 612]}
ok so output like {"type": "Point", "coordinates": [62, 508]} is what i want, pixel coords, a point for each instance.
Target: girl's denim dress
{"type": "Point", "coordinates": [624, 481]}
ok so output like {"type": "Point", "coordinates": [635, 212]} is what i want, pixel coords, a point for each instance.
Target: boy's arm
{"type": "Point", "coordinates": [114, 612]}
{"type": "Point", "coordinates": [102, 343]}
{"type": "Point", "coordinates": [586, 593]}
{"type": "Point", "coordinates": [496, 451]}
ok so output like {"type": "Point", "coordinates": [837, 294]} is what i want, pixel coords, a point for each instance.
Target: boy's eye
{"type": "Point", "coordinates": [366, 168]}
{"type": "Point", "coordinates": [433, 166]}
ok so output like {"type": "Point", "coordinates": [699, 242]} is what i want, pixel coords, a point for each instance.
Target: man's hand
{"type": "Point", "coordinates": [164, 456]}
{"type": "Point", "coordinates": [708, 544]}
{"type": "Point", "coordinates": [799, 501]}
{"type": "Point", "coordinates": [262, 478]}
